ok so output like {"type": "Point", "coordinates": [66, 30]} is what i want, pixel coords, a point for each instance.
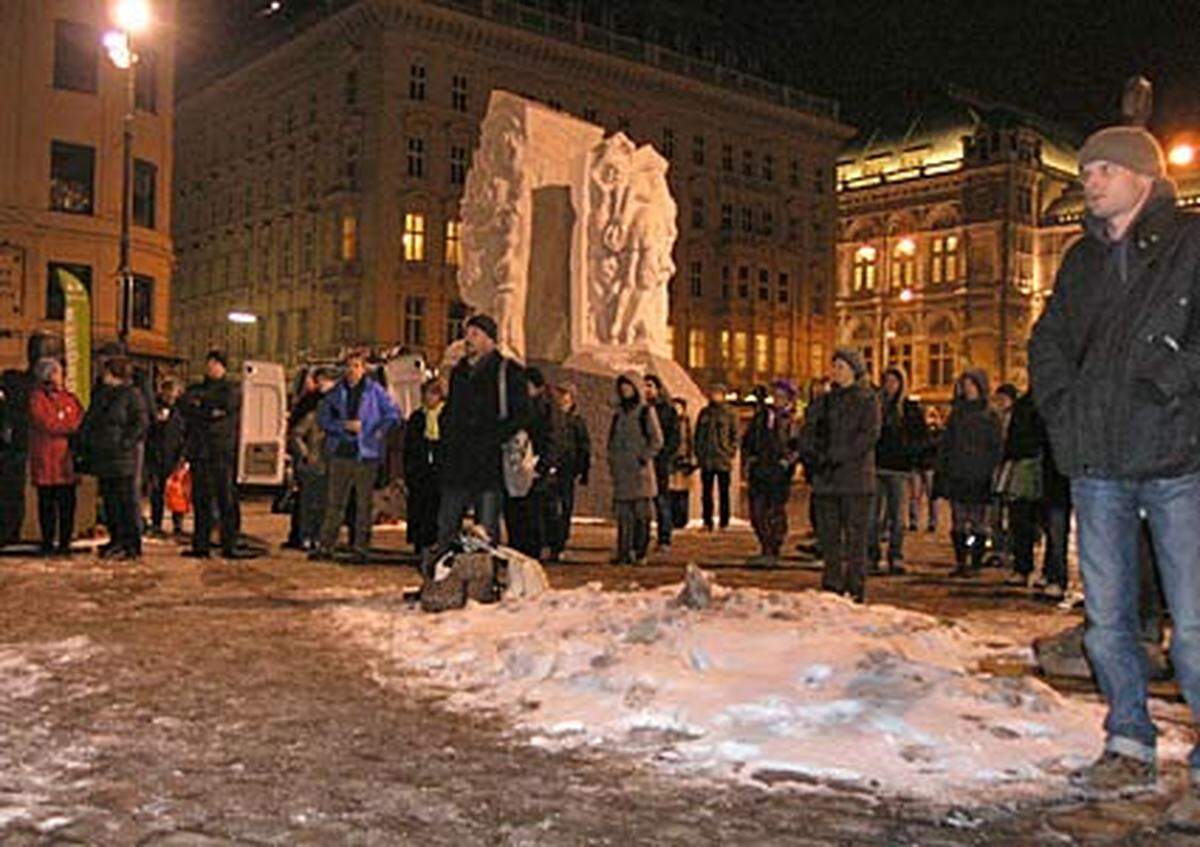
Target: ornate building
{"type": "Point", "coordinates": [320, 180]}
{"type": "Point", "coordinates": [61, 173]}
{"type": "Point", "coordinates": [949, 236]}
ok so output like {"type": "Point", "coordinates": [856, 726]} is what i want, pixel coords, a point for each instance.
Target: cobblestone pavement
{"type": "Point", "coordinates": [177, 702]}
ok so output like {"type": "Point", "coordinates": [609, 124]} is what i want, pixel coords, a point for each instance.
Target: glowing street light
{"type": "Point", "coordinates": [906, 295]}
{"type": "Point", "coordinates": [906, 247]}
{"type": "Point", "coordinates": [1182, 155]}
{"type": "Point", "coordinates": [242, 317]}
{"type": "Point", "coordinates": [132, 16]}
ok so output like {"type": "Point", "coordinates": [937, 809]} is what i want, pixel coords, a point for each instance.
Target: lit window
{"type": "Point", "coordinates": [783, 356]}
{"type": "Point", "coordinates": [72, 177]}
{"type": "Point", "coordinates": [349, 238]}
{"type": "Point", "coordinates": [695, 356]}
{"type": "Point", "coordinates": [865, 258]}
{"type": "Point", "coordinates": [454, 242]}
{"type": "Point", "coordinates": [726, 353]}
{"type": "Point", "coordinates": [941, 363]}
{"type": "Point", "coordinates": [904, 264]}
{"type": "Point", "coordinates": [762, 355]}
{"type": "Point", "coordinates": [414, 237]}
{"type": "Point", "coordinates": [944, 265]}
{"type": "Point", "coordinates": [740, 351]}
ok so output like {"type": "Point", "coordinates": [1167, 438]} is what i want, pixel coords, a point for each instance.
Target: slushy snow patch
{"type": "Point", "coordinates": [804, 689]}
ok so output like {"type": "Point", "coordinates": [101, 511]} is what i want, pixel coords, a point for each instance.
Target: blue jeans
{"type": "Point", "coordinates": [1108, 515]}
{"type": "Point", "coordinates": [453, 509]}
{"type": "Point", "coordinates": [889, 498]}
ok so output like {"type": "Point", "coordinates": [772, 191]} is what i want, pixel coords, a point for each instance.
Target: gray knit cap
{"type": "Point", "coordinates": [853, 358]}
{"type": "Point", "coordinates": [1129, 146]}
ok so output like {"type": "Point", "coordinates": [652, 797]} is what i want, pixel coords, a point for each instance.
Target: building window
{"type": "Point", "coordinates": [768, 222]}
{"type": "Point", "coordinates": [414, 237]}
{"type": "Point", "coordinates": [818, 180]}
{"type": "Point", "coordinates": [668, 144]}
{"type": "Point", "coordinates": [458, 93]}
{"type": "Point", "coordinates": [345, 324]}
{"type": "Point", "coordinates": [145, 181]}
{"type": "Point", "coordinates": [302, 326]}
{"type": "Point", "coordinates": [941, 363]}
{"type": "Point", "coordinates": [145, 83]}
{"type": "Point", "coordinates": [764, 285]}
{"type": "Point", "coordinates": [768, 167]}
{"type": "Point", "coordinates": [349, 238]}
{"type": "Point", "coordinates": [747, 163]}
{"type": "Point", "coordinates": [904, 264]}
{"type": "Point", "coordinates": [72, 176]}
{"type": "Point", "coordinates": [743, 288]}
{"type": "Point", "coordinates": [285, 254]}
{"type": "Point", "coordinates": [747, 219]}
{"type": "Point", "coordinates": [453, 242]}
{"type": "Point", "coordinates": [783, 355]}
{"type": "Point", "coordinates": [944, 265]}
{"type": "Point", "coordinates": [726, 217]}
{"type": "Point", "coordinates": [416, 82]}
{"type": "Point", "coordinates": [416, 157]}
{"type": "Point", "coordinates": [902, 357]}
{"type": "Point", "coordinates": [456, 321]}
{"type": "Point", "coordinates": [458, 165]}
{"type": "Point", "coordinates": [816, 359]}
{"type": "Point", "coordinates": [307, 250]}
{"type": "Point", "coordinates": [727, 158]}
{"type": "Point", "coordinates": [281, 333]}
{"type": "Point", "coordinates": [725, 282]}
{"type": "Point", "coordinates": [76, 56]}
{"type": "Point", "coordinates": [741, 351]}
{"type": "Point", "coordinates": [726, 348]}
{"type": "Point", "coordinates": [414, 320]}
{"type": "Point", "coordinates": [696, 279]}
{"type": "Point", "coordinates": [783, 291]}
{"type": "Point", "coordinates": [865, 259]}
{"type": "Point", "coordinates": [697, 213]}
{"type": "Point", "coordinates": [868, 357]}
{"type": "Point", "coordinates": [56, 302]}
{"type": "Point", "coordinates": [697, 149]}
{"type": "Point", "coordinates": [794, 173]}
{"type": "Point", "coordinates": [762, 353]}
{"type": "Point", "coordinates": [696, 351]}
{"type": "Point", "coordinates": [350, 88]}
{"type": "Point", "coordinates": [143, 302]}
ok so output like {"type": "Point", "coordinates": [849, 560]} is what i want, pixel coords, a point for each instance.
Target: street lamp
{"type": "Point", "coordinates": [1182, 155]}
{"type": "Point", "coordinates": [132, 17]}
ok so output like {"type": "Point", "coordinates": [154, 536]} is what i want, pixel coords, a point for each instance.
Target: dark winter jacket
{"type": "Point", "coordinates": [423, 457]}
{"type": "Point", "coordinates": [634, 439]}
{"type": "Point", "coordinates": [164, 444]}
{"type": "Point", "coordinates": [841, 428]}
{"type": "Point", "coordinates": [114, 426]}
{"type": "Point", "coordinates": [211, 411]}
{"type": "Point", "coordinates": [1115, 359]}
{"type": "Point", "coordinates": [470, 424]}
{"type": "Point", "coordinates": [1026, 437]}
{"type": "Point", "coordinates": [971, 446]}
{"type": "Point", "coordinates": [771, 451]}
{"type": "Point", "coordinates": [902, 434]}
{"type": "Point", "coordinates": [376, 415]}
{"type": "Point", "coordinates": [716, 439]}
{"type": "Point", "coordinates": [577, 450]}
{"type": "Point", "coordinates": [668, 420]}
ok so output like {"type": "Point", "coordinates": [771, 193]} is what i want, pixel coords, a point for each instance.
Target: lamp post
{"type": "Point", "coordinates": [131, 17]}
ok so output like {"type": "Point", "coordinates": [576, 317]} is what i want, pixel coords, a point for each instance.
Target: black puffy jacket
{"type": "Point", "coordinates": [1115, 359]}
{"type": "Point", "coordinates": [116, 422]}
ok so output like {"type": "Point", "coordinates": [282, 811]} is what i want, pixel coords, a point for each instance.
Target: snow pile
{"type": "Point", "coordinates": [776, 688]}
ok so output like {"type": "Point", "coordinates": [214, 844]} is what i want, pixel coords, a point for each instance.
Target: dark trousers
{"type": "Point", "coordinates": [1022, 520]}
{"type": "Point", "coordinates": [314, 491]}
{"type": "Point", "coordinates": [633, 530]}
{"type": "Point", "coordinates": [56, 511]}
{"type": "Point", "coordinates": [768, 516]}
{"type": "Point", "coordinates": [560, 508]}
{"type": "Point", "coordinates": [721, 478]}
{"type": "Point", "coordinates": [1058, 527]}
{"type": "Point", "coordinates": [213, 482]}
{"type": "Point", "coordinates": [524, 518]}
{"type": "Point", "coordinates": [120, 513]}
{"type": "Point", "coordinates": [662, 516]}
{"type": "Point", "coordinates": [842, 521]}
{"type": "Point", "coordinates": [349, 478]}
{"type": "Point", "coordinates": [453, 508]}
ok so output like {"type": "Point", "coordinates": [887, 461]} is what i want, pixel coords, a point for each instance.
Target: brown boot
{"type": "Point", "coordinates": [1184, 813]}
{"type": "Point", "coordinates": [1114, 774]}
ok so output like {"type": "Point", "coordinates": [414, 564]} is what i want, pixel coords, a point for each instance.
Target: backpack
{"type": "Point", "coordinates": [517, 457]}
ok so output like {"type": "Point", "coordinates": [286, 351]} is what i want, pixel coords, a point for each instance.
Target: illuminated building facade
{"type": "Point", "coordinates": [320, 179]}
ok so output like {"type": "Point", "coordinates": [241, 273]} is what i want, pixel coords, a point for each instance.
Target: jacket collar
{"type": "Point", "coordinates": [1153, 225]}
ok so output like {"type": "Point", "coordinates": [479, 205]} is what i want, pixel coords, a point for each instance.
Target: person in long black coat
{"type": "Point", "coordinates": [212, 409]}
{"type": "Point", "coordinates": [164, 450]}
{"type": "Point", "coordinates": [423, 462]}
{"type": "Point", "coordinates": [113, 430]}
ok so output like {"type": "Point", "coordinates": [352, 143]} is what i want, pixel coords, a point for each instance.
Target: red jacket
{"type": "Point", "coordinates": [53, 416]}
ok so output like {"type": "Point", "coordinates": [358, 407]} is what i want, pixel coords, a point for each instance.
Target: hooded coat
{"type": "Point", "coordinates": [903, 436]}
{"type": "Point", "coordinates": [971, 445]}
{"type": "Point", "coordinates": [634, 439]}
{"type": "Point", "coordinates": [1115, 358]}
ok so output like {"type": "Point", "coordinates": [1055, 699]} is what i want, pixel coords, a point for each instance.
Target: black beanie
{"type": "Point", "coordinates": [217, 356]}
{"type": "Point", "coordinates": [486, 325]}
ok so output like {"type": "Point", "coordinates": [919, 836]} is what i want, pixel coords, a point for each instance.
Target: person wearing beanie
{"type": "Point", "coordinates": [853, 359]}
{"type": "Point", "coordinates": [716, 445]}
{"type": "Point", "coordinates": [474, 430]}
{"type": "Point", "coordinates": [837, 444]}
{"type": "Point", "coordinates": [1114, 364]}
{"type": "Point", "coordinates": [902, 439]}
{"type": "Point", "coordinates": [770, 453]}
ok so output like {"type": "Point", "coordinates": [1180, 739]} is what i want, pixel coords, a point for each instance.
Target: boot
{"type": "Point", "coordinates": [978, 546]}
{"type": "Point", "coordinates": [959, 540]}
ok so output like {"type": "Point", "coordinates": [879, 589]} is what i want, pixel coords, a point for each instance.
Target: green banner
{"type": "Point", "coordinates": [77, 335]}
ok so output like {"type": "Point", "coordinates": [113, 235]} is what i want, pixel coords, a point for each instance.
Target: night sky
{"type": "Point", "coordinates": [1064, 59]}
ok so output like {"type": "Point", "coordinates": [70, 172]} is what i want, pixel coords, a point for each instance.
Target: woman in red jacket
{"type": "Point", "coordinates": [54, 415]}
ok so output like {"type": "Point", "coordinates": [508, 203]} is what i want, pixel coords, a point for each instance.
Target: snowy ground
{"type": "Point", "coordinates": [768, 687]}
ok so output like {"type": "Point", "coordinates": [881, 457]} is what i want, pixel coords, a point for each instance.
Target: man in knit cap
{"type": "Point", "coordinates": [1115, 367]}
